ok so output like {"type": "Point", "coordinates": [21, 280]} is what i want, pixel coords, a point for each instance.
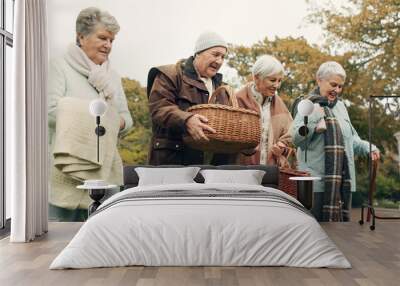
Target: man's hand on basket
{"type": "Point", "coordinates": [196, 125]}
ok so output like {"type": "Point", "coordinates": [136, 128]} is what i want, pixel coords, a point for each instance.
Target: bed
{"type": "Point", "coordinates": [201, 224]}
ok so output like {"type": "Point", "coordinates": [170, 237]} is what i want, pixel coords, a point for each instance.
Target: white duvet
{"type": "Point", "coordinates": [219, 231]}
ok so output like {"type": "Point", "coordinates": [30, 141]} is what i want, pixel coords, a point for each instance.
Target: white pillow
{"type": "Point", "coordinates": [248, 177]}
{"type": "Point", "coordinates": [163, 176]}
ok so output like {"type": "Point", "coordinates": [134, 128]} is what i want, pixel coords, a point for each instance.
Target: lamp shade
{"type": "Point", "coordinates": [305, 107]}
{"type": "Point", "coordinates": [97, 107]}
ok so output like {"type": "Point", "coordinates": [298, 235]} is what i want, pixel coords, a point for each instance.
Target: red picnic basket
{"type": "Point", "coordinates": [288, 168]}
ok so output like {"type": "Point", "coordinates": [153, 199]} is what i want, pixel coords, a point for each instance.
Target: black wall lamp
{"type": "Point", "coordinates": [97, 108]}
{"type": "Point", "coordinates": [305, 108]}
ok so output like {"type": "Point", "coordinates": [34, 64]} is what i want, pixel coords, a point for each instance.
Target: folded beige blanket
{"type": "Point", "coordinates": [75, 152]}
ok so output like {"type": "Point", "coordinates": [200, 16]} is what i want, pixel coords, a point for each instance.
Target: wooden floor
{"type": "Point", "coordinates": [374, 255]}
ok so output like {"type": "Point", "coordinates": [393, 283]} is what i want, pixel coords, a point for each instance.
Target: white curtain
{"type": "Point", "coordinates": [26, 123]}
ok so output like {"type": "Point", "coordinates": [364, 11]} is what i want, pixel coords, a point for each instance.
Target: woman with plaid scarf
{"type": "Point", "coordinates": [332, 143]}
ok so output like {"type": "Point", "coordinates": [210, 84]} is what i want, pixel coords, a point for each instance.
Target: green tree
{"type": "Point", "coordinates": [134, 146]}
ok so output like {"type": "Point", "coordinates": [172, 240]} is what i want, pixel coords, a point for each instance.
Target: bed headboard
{"type": "Point", "coordinates": [270, 178]}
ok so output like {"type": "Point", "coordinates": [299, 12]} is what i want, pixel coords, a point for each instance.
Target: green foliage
{"type": "Point", "coordinates": [134, 146]}
{"type": "Point", "coordinates": [388, 204]}
{"type": "Point", "coordinates": [388, 180]}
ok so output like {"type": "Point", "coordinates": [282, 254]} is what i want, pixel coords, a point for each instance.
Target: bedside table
{"type": "Point", "coordinates": [96, 193]}
{"type": "Point", "coordinates": [305, 190]}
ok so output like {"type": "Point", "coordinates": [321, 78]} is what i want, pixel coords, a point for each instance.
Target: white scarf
{"type": "Point", "coordinates": [99, 76]}
{"type": "Point", "coordinates": [209, 85]}
{"type": "Point", "coordinates": [265, 108]}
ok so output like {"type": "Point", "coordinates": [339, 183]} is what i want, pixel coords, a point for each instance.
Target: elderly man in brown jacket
{"type": "Point", "coordinates": [172, 89]}
{"type": "Point", "coordinates": [260, 96]}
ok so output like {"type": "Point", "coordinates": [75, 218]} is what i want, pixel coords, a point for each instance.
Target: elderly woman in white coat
{"type": "Point", "coordinates": [331, 145]}
{"type": "Point", "coordinates": [85, 72]}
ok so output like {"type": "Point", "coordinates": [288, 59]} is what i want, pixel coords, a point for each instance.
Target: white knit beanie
{"type": "Point", "coordinates": [208, 40]}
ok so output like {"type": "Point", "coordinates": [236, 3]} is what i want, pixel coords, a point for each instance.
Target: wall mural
{"type": "Point", "coordinates": [148, 63]}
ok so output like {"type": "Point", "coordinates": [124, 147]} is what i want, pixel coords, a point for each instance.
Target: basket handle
{"type": "Point", "coordinates": [229, 91]}
{"type": "Point", "coordinates": [283, 160]}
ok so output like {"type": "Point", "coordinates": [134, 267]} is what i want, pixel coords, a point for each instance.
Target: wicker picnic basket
{"type": "Point", "coordinates": [236, 128]}
{"type": "Point", "coordinates": [287, 170]}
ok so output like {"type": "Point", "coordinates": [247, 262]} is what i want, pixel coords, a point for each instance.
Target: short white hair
{"type": "Point", "coordinates": [328, 69]}
{"type": "Point", "coordinates": [266, 66]}
{"type": "Point", "coordinates": [90, 17]}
